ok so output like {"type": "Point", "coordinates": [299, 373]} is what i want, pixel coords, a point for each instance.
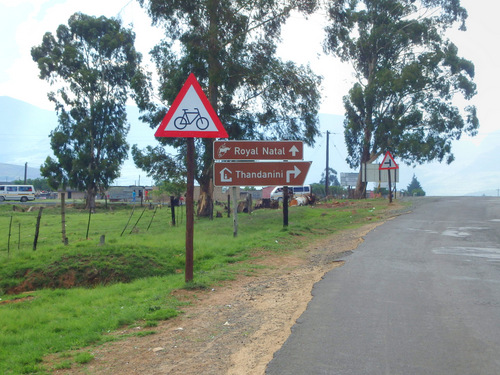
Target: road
{"type": "Point", "coordinates": [421, 295]}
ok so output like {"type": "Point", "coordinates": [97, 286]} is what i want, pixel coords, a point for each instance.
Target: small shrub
{"type": "Point", "coordinates": [84, 357]}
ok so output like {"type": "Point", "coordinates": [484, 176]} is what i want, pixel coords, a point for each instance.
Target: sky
{"type": "Point", "coordinates": [23, 23]}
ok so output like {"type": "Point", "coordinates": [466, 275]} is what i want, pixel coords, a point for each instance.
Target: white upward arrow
{"type": "Point", "coordinates": [294, 150]}
{"type": "Point", "coordinates": [295, 172]}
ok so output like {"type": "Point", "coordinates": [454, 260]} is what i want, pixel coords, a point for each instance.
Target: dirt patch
{"type": "Point", "coordinates": [27, 297]}
{"type": "Point", "coordinates": [233, 329]}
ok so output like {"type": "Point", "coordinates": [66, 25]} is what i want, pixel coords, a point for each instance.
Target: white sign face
{"type": "Point", "coordinates": [191, 115]}
{"type": "Point", "coordinates": [372, 173]}
{"type": "Point", "coordinates": [348, 179]}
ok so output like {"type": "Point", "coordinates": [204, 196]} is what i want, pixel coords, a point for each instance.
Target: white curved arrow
{"type": "Point", "coordinates": [295, 172]}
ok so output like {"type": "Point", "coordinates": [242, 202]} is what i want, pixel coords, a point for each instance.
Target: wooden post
{"type": "Point", "coordinates": [172, 209]}
{"type": "Point", "coordinates": [390, 188]}
{"type": "Point", "coordinates": [249, 203]}
{"type": "Point", "coordinates": [285, 206]}
{"type": "Point", "coordinates": [8, 240]}
{"type": "Point", "coordinates": [190, 210]}
{"type": "Point", "coordinates": [88, 224]}
{"type": "Point", "coordinates": [229, 205]}
{"type": "Point", "coordinates": [211, 195]}
{"type": "Point", "coordinates": [63, 218]}
{"type": "Point", "coordinates": [235, 212]}
{"type": "Point", "coordinates": [37, 229]}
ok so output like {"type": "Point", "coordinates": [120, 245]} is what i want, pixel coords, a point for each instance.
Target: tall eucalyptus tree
{"type": "Point", "coordinates": [91, 61]}
{"type": "Point", "coordinates": [230, 46]}
{"type": "Point", "coordinates": [408, 74]}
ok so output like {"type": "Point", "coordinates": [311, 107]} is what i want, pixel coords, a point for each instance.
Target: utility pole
{"type": "Point", "coordinates": [327, 161]}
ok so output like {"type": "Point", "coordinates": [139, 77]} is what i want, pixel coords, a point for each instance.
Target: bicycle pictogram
{"type": "Point", "coordinates": [189, 117]}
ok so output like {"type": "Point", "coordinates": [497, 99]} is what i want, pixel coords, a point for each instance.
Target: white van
{"type": "Point", "coordinates": [277, 192]}
{"type": "Point", "coordinates": [21, 193]}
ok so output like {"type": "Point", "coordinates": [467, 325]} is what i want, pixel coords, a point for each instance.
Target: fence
{"type": "Point", "coordinates": [25, 227]}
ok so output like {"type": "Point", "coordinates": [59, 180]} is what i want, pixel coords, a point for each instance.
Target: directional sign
{"type": "Point", "coordinates": [260, 173]}
{"type": "Point", "coordinates": [388, 162]}
{"type": "Point", "coordinates": [373, 173]}
{"type": "Point", "coordinates": [348, 179]}
{"type": "Point", "coordinates": [191, 115]}
{"type": "Point", "coordinates": [258, 150]}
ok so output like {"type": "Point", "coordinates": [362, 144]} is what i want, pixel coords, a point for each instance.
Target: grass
{"type": "Point", "coordinates": [81, 294]}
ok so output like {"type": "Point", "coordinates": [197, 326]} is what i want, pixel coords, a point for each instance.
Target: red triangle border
{"type": "Point", "coordinates": [220, 133]}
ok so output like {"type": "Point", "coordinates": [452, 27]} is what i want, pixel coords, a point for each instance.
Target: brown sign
{"type": "Point", "coordinates": [261, 173]}
{"type": "Point", "coordinates": [258, 150]}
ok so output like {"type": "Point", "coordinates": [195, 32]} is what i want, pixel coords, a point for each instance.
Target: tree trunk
{"type": "Point", "coordinates": [90, 202]}
{"type": "Point", "coordinates": [360, 191]}
{"type": "Point", "coordinates": [205, 201]}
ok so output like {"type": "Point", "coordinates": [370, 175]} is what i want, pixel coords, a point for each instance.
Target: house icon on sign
{"type": "Point", "coordinates": [225, 175]}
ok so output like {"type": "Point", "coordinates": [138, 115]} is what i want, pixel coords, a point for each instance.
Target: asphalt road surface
{"type": "Point", "coordinates": [421, 295]}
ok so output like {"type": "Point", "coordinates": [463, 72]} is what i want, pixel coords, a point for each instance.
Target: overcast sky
{"type": "Point", "coordinates": [23, 23]}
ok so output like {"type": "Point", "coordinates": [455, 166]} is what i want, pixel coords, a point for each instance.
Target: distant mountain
{"type": "Point", "coordinates": [485, 193]}
{"type": "Point", "coordinates": [10, 172]}
{"type": "Point", "coordinates": [24, 138]}
{"type": "Point", "coordinates": [24, 132]}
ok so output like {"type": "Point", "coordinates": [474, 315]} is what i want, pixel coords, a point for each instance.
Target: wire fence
{"type": "Point", "coordinates": [25, 227]}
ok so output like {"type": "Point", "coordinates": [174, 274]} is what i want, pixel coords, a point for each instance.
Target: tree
{"type": "Point", "coordinates": [408, 73]}
{"type": "Point", "coordinates": [414, 188]}
{"type": "Point", "coordinates": [332, 178]}
{"type": "Point", "coordinates": [92, 62]}
{"type": "Point", "coordinates": [230, 46]}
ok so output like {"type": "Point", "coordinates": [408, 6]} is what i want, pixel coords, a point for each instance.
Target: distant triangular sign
{"type": "Point", "coordinates": [191, 115]}
{"type": "Point", "coordinates": [388, 162]}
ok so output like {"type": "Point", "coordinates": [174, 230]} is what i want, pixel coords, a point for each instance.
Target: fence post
{"type": "Point", "coordinates": [37, 230]}
{"type": "Point", "coordinates": [8, 241]}
{"type": "Point", "coordinates": [172, 209]}
{"type": "Point", "coordinates": [63, 218]}
{"type": "Point", "coordinates": [88, 224]}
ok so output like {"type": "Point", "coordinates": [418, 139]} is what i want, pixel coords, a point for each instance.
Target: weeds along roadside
{"type": "Point", "coordinates": [79, 293]}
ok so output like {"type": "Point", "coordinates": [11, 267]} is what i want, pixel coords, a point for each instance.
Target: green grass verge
{"type": "Point", "coordinates": [83, 292]}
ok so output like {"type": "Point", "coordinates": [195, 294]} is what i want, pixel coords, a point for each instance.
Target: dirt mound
{"type": "Point", "coordinates": [86, 271]}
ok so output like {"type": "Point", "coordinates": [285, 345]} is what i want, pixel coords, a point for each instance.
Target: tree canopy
{"type": "Point", "coordinates": [92, 62]}
{"type": "Point", "coordinates": [230, 46]}
{"type": "Point", "coordinates": [408, 74]}
{"type": "Point", "coordinates": [414, 188]}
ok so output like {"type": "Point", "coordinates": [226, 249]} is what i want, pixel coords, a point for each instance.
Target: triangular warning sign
{"type": "Point", "coordinates": [388, 162]}
{"type": "Point", "coordinates": [191, 115]}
